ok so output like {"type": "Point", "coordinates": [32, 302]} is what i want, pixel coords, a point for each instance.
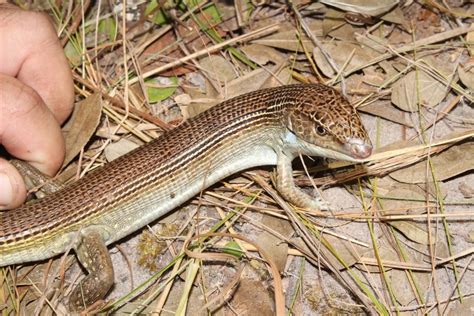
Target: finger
{"type": "Point", "coordinates": [36, 58]}
{"type": "Point", "coordinates": [12, 187]}
{"type": "Point", "coordinates": [28, 129]}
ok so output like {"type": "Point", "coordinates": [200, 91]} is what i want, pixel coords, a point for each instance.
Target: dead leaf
{"type": "Point", "coordinates": [347, 251]}
{"type": "Point", "coordinates": [218, 68]}
{"type": "Point", "coordinates": [369, 7]}
{"type": "Point", "coordinates": [413, 87]}
{"type": "Point", "coordinates": [256, 79]}
{"type": "Point", "coordinates": [467, 77]}
{"type": "Point", "coordinates": [333, 19]}
{"type": "Point", "coordinates": [195, 102]}
{"type": "Point", "coordinates": [401, 287]}
{"type": "Point", "coordinates": [385, 253]}
{"type": "Point", "coordinates": [403, 200]}
{"type": "Point", "coordinates": [165, 45]}
{"type": "Point", "coordinates": [396, 16]}
{"type": "Point", "coordinates": [272, 244]}
{"type": "Point", "coordinates": [82, 125]}
{"type": "Point", "coordinates": [440, 248]}
{"type": "Point", "coordinates": [262, 54]}
{"type": "Point", "coordinates": [346, 32]}
{"type": "Point", "coordinates": [336, 26]}
{"type": "Point", "coordinates": [412, 231]}
{"type": "Point", "coordinates": [341, 52]}
{"type": "Point", "coordinates": [388, 69]}
{"type": "Point", "coordinates": [451, 162]}
{"type": "Point", "coordinates": [252, 298]}
{"type": "Point", "coordinates": [470, 39]}
{"type": "Point", "coordinates": [464, 308]}
{"type": "Point", "coordinates": [385, 111]}
{"type": "Point", "coordinates": [150, 58]}
{"type": "Point", "coordinates": [120, 148]}
{"type": "Point", "coordinates": [287, 38]}
{"type": "Point", "coordinates": [387, 187]}
{"type": "Point", "coordinates": [375, 43]}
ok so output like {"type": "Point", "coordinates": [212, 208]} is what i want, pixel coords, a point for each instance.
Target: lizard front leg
{"type": "Point", "coordinates": [286, 186]}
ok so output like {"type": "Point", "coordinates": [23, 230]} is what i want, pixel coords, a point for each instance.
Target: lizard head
{"type": "Point", "coordinates": [327, 124]}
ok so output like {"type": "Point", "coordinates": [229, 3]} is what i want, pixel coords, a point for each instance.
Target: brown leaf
{"type": "Point", "coordinates": [401, 286]}
{"type": "Point", "coordinates": [219, 68]}
{"type": "Point", "coordinates": [259, 78]}
{"type": "Point", "coordinates": [336, 26]}
{"type": "Point", "coordinates": [412, 231]}
{"type": "Point", "coordinates": [404, 198]}
{"type": "Point", "coordinates": [341, 52]}
{"type": "Point", "coordinates": [413, 87]}
{"type": "Point", "coordinates": [166, 46]}
{"type": "Point", "coordinates": [464, 308]}
{"type": "Point", "coordinates": [347, 251]}
{"type": "Point", "coordinates": [386, 111]}
{"type": "Point", "coordinates": [262, 54]}
{"type": "Point", "coordinates": [333, 19]}
{"type": "Point", "coordinates": [287, 38]}
{"type": "Point", "coordinates": [252, 298]}
{"type": "Point", "coordinates": [272, 244]}
{"type": "Point", "coordinates": [396, 16]}
{"type": "Point", "coordinates": [449, 163]}
{"type": "Point", "coordinates": [467, 77]}
{"type": "Point", "coordinates": [470, 236]}
{"type": "Point", "coordinates": [406, 202]}
{"type": "Point", "coordinates": [194, 101]}
{"type": "Point", "coordinates": [369, 7]}
{"type": "Point", "coordinates": [82, 125]}
{"type": "Point", "coordinates": [120, 148]}
{"type": "Point", "coordinates": [385, 253]}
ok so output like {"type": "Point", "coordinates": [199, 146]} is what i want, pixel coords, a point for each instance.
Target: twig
{"type": "Point", "coordinates": [245, 37]}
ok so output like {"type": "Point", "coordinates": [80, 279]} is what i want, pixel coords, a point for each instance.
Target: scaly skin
{"type": "Point", "coordinates": [265, 127]}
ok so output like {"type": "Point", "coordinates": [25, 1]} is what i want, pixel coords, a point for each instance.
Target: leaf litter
{"type": "Point", "coordinates": [401, 240]}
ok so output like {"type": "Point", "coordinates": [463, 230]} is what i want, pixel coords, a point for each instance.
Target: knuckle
{"type": "Point", "coordinates": [20, 99]}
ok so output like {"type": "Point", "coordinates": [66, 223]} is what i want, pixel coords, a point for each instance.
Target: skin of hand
{"type": "Point", "coordinates": [36, 96]}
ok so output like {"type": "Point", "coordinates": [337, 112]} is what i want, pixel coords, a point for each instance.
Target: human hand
{"type": "Point", "coordinates": [36, 96]}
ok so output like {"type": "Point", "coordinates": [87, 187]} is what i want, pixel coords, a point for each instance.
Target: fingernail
{"type": "Point", "coordinates": [6, 190]}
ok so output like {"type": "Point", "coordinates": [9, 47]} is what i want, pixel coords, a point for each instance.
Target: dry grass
{"type": "Point", "coordinates": [394, 244]}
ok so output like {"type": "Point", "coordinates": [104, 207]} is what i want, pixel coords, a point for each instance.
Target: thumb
{"type": "Point", "coordinates": [12, 187]}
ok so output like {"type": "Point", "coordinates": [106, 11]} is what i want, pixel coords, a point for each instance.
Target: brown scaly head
{"type": "Point", "coordinates": [321, 116]}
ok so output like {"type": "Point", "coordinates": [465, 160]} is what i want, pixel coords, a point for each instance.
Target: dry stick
{"type": "Point", "coordinates": [395, 264]}
{"type": "Point", "coordinates": [455, 287]}
{"type": "Point", "coordinates": [425, 41]}
{"type": "Point", "coordinates": [387, 161]}
{"type": "Point", "coordinates": [434, 73]}
{"type": "Point", "coordinates": [451, 139]}
{"type": "Point", "coordinates": [158, 308]}
{"type": "Point", "coordinates": [246, 37]}
{"type": "Point", "coordinates": [76, 22]}
{"type": "Point", "coordinates": [309, 243]}
{"type": "Point", "coordinates": [423, 216]}
{"type": "Point", "coordinates": [456, 256]}
{"type": "Point", "coordinates": [318, 44]}
{"type": "Point", "coordinates": [138, 50]}
{"type": "Point", "coordinates": [442, 113]}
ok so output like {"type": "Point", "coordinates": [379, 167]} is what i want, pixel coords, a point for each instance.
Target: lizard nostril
{"type": "Point", "coordinates": [361, 150]}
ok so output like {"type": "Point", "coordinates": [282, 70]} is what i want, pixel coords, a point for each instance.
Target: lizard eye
{"type": "Point", "coordinates": [321, 130]}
